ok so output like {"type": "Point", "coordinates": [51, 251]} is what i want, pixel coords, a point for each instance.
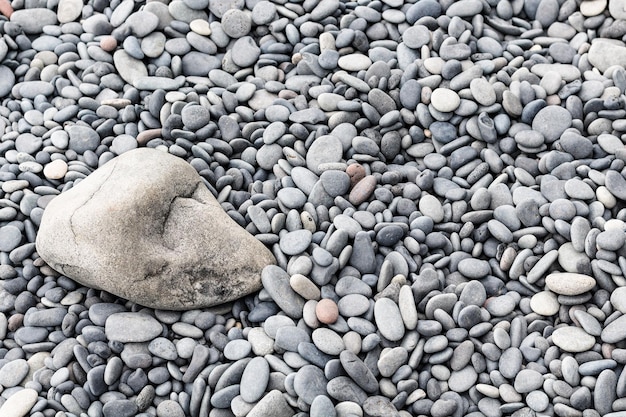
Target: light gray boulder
{"type": "Point", "coordinates": [144, 227]}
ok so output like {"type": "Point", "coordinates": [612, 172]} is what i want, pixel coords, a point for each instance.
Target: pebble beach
{"type": "Point", "coordinates": [442, 184]}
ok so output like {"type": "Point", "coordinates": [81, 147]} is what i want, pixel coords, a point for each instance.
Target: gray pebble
{"type": "Point", "coordinates": [474, 268]}
{"type": "Point", "coordinates": [83, 138]}
{"type": "Point", "coordinates": [322, 406]}
{"type": "Point", "coordinates": [462, 380]}
{"type": "Point", "coordinates": [10, 238]}
{"type": "Point", "coordinates": [528, 380]}
{"type": "Point", "coordinates": [387, 312]}
{"type": "Point", "coordinates": [236, 23]}
{"type": "Point", "coordinates": [309, 383]}
{"type": "Point", "coordinates": [342, 388]}
{"type": "Point", "coordinates": [276, 282]}
{"type": "Point", "coordinates": [254, 379]}
{"type": "Point", "coordinates": [13, 372]}
{"type": "Point", "coordinates": [604, 392]}
{"type": "Point", "coordinates": [119, 408]}
{"type": "Point", "coordinates": [551, 122]}
{"type": "Point", "coordinates": [132, 327]}
{"type": "Point", "coordinates": [296, 242]}
{"type": "Point", "coordinates": [611, 332]}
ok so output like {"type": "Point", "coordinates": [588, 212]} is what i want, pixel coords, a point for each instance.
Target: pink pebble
{"type": "Point", "coordinates": [108, 43]}
{"type": "Point", "coordinates": [327, 311]}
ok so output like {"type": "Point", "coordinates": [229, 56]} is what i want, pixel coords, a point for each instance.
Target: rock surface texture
{"type": "Point", "coordinates": [442, 184]}
{"type": "Point", "coordinates": [145, 227]}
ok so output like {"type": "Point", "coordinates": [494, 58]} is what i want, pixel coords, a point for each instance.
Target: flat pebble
{"type": "Point", "coordinates": [611, 332]}
{"type": "Point", "coordinates": [568, 283]}
{"type": "Point", "coordinates": [386, 311]}
{"type": "Point", "coordinates": [254, 380]}
{"type": "Point", "coordinates": [132, 327]}
{"type": "Point", "coordinates": [10, 238]}
{"type": "Point", "coordinates": [20, 403]}
{"type": "Point", "coordinates": [327, 311]}
{"type": "Point", "coordinates": [545, 303]}
{"type": "Point", "coordinates": [293, 243]}
{"type": "Point", "coordinates": [445, 100]}
{"type": "Point", "coordinates": [572, 339]}
{"type": "Point", "coordinates": [309, 383]}
{"type": "Point", "coordinates": [462, 380]}
{"type": "Point", "coordinates": [474, 268]}
{"type": "Point", "coordinates": [13, 373]}
{"type": "Point", "coordinates": [169, 408]}
{"type": "Point", "coordinates": [236, 23]}
{"type": "Point", "coordinates": [354, 62]}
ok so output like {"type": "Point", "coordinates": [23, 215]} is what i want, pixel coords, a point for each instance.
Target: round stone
{"type": "Point", "coordinates": [328, 341]}
{"type": "Point", "coordinates": [527, 380]}
{"type": "Point", "coordinates": [611, 240]}
{"type": "Point", "coordinates": [169, 408]}
{"type": "Point", "coordinates": [263, 12]}
{"type": "Point", "coordinates": [327, 311]}
{"type": "Point", "coordinates": [200, 26]}
{"type": "Point", "coordinates": [416, 36]}
{"type": "Point", "coordinates": [245, 51]}
{"type": "Point", "coordinates": [108, 43]}
{"type": "Point", "coordinates": [236, 23]}
{"type": "Point", "coordinates": [545, 303]}
{"type": "Point", "coordinates": [483, 91]}
{"type": "Point", "coordinates": [195, 116]}
{"type": "Point", "coordinates": [12, 373]}
{"type": "Point", "coordinates": [83, 138]}
{"type": "Point", "coordinates": [325, 149]}
{"type": "Point", "coordinates": [309, 382]}
{"type": "Point", "coordinates": [445, 100]}
{"type": "Point", "coordinates": [20, 403]}
{"type": "Point", "coordinates": [551, 122]}
{"type": "Point", "coordinates": [430, 206]}
{"type": "Point", "coordinates": [254, 379]}
{"type": "Point", "coordinates": [237, 349]}
{"type": "Point", "coordinates": [463, 380]}
{"type": "Point", "coordinates": [590, 8]}
{"type": "Point", "coordinates": [304, 286]}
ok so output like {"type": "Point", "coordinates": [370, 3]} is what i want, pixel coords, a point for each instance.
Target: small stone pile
{"type": "Point", "coordinates": [441, 183]}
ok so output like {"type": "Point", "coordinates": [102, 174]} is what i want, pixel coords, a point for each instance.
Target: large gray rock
{"type": "Point", "coordinates": [144, 227]}
{"type": "Point", "coordinates": [605, 53]}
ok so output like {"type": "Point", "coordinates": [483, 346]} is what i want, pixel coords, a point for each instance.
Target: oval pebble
{"type": "Point", "coordinates": [445, 100]}
{"type": "Point", "coordinates": [389, 320]}
{"type": "Point", "coordinates": [545, 303]}
{"type": "Point", "coordinates": [296, 242]}
{"type": "Point", "coordinates": [569, 283]}
{"type": "Point", "coordinates": [572, 339]}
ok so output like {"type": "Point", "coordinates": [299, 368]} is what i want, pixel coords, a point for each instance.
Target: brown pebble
{"type": "Point", "coordinates": [108, 43]}
{"type": "Point", "coordinates": [146, 136]}
{"type": "Point", "coordinates": [362, 190]}
{"type": "Point", "coordinates": [15, 322]}
{"type": "Point", "coordinates": [356, 173]}
{"type": "Point", "coordinates": [326, 311]}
